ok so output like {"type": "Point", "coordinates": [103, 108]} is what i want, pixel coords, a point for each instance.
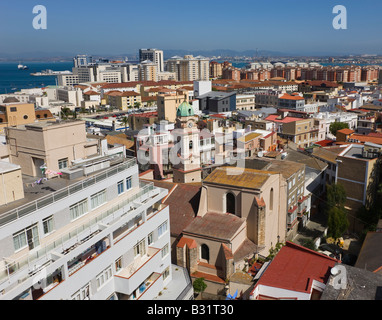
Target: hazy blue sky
{"type": "Point", "coordinates": [124, 26]}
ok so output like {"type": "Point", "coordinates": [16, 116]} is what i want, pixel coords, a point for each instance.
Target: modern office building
{"type": "Point", "coordinates": [217, 102]}
{"type": "Point", "coordinates": [90, 231]}
{"type": "Point", "coordinates": [154, 55]}
{"type": "Point", "coordinates": [82, 60]}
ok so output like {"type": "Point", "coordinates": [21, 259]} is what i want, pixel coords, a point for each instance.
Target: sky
{"type": "Point", "coordinates": [123, 26]}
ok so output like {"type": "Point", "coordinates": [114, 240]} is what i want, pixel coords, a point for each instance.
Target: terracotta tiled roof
{"type": "Point", "coordinates": [183, 200]}
{"type": "Point", "coordinates": [190, 243]}
{"type": "Point", "coordinates": [227, 252]}
{"type": "Point", "coordinates": [346, 131]}
{"type": "Point", "coordinates": [275, 118]}
{"type": "Point", "coordinates": [367, 138]}
{"type": "Point", "coordinates": [291, 97]}
{"type": "Point", "coordinates": [207, 276]}
{"type": "Point", "coordinates": [222, 226]}
{"type": "Point", "coordinates": [91, 93]}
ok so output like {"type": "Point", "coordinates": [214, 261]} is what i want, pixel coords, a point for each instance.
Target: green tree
{"type": "Point", "coordinates": [199, 285]}
{"type": "Point", "coordinates": [337, 222]}
{"type": "Point", "coordinates": [309, 243]}
{"type": "Point", "coordinates": [274, 251]}
{"type": "Point", "coordinates": [335, 210]}
{"type": "Point", "coordinates": [335, 195]}
{"type": "Point", "coordinates": [335, 126]}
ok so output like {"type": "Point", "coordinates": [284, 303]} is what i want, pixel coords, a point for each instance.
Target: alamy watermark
{"type": "Point", "coordinates": [339, 277]}
{"type": "Point", "coordinates": [40, 21]}
{"type": "Point", "coordinates": [340, 20]}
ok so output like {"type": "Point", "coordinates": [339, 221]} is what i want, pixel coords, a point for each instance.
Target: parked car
{"type": "Point", "coordinates": [327, 253]}
{"type": "Point", "coordinates": [336, 250]}
{"type": "Point", "coordinates": [349, 259]}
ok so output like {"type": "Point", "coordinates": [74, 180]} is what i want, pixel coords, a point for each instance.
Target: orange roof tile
{"type": "Point", "coordinates": [190, 243]}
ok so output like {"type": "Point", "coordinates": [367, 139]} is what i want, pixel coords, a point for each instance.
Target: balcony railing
{"type": "Point", "coordinates": [53, 197]}
{"type": "Point", "coordinates": [78, 233]}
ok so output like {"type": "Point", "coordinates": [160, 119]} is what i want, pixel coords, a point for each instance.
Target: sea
{"type": "Point", "coordinates": [12, 79]}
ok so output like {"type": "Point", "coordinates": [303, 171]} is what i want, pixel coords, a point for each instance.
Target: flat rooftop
{"type": "Point", "coordinates": [7, 167]}
{"type": "Point", "coordinates": [180, 281]}
{"type": "Point", "coordinates": [360, 285]}
{"type": "Point", "coordinates": [39, 192]}
{"type": "Point", "coordinates": [355, 151]}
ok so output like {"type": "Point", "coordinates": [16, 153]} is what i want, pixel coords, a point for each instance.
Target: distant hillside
{"type": "Point", "coordinates": [223, 52]}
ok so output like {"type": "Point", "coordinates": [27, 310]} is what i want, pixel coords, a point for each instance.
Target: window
{"type": "Point", "coordinates": [20, 240]}
{"type": "Point", "coordinates": [47, 224]}
{"type": "Point", "coordinates": [28, 236]}
{"type": "Point", "coordinates": [150, 238]}
{"type": "Point", "coordinates": [103, 277]}
{"type": "Point", "coordinates": [120, 187]}
{"type": "Point", "coordinates": [271, 199]}
{"type": "Point", "coordinates": [230, 203]}
{"type": "Point", "coordinates": [78, 209]}
{"type": "Point", "coordinates": [118, 264]}
{"type": "Point", "coordinates": [164, 251]}
{"type": "Point", "coordinates": [162, 229]}
{"type": "Point", "coordinates": [25, 117]}
{"type": "Point", "coordinates": [128, 183]}
{"type": "Point", "coordinates": [82, 294]}
{"type": "Point", "coordinates": [62, 163]}
{"type": "Point", "coordinates": [97, 199]}
{"type": "Point", "coordinates": [140, 248]}
{"type": "Point", "coordinates": [205, 252]}
{"type": "Point", "coordinates": [166, 273]}
{"type": "Point", "coordinates": [13, 109]}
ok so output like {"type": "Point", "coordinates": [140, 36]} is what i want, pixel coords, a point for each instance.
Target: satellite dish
{"type": "Point", "coordinates": [334, 271]}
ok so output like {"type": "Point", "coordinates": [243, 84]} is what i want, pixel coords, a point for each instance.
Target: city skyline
{"type": "Point", "coordinates": [122, 27]}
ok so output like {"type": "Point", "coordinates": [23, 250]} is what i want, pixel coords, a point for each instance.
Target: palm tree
{"type": "Point", "coordinates": [125, 121]}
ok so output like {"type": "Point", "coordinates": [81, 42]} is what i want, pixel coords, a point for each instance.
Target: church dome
{"type": "Point", "coordinates": [10, 100]}
{"type": "Point", "coordinates": [185, 110]}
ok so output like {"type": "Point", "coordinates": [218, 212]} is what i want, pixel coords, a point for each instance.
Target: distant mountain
{"type": "Point", "coordinates": [168, 53]}
{"type": "Point", "coordinates": [25, 56]}
{"type": "Point", "coordinates": [224, 53]}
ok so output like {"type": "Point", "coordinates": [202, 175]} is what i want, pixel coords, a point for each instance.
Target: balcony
{"type": "Point", "coordinates": [88, 255]}
{"type": "Point", "coordinates": [132, 276]}
{"type": "Point", "coordinates": [58, 195]}
{"type": "Point", "coordinates": [69, 239]}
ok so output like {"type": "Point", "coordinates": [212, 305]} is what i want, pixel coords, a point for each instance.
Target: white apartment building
{"type": "Point", "coordinates": [67, 79]}
{"type": "Point", "coordinates": [70, 94]}
{"type": "Point", "coordinates": [329, 117]}
{"type": "Point", "coordinates": [148, 71]}
{"type": "Point", "coordinates": [96, 233]}
{"type": "Point", "coordinates": [189, 68]}
{"type": "Point", "coordinates": [245, 102]}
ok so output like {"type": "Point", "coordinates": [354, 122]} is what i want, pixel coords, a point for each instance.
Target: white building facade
{"type": "Point", "coordinates": [105, 236]}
